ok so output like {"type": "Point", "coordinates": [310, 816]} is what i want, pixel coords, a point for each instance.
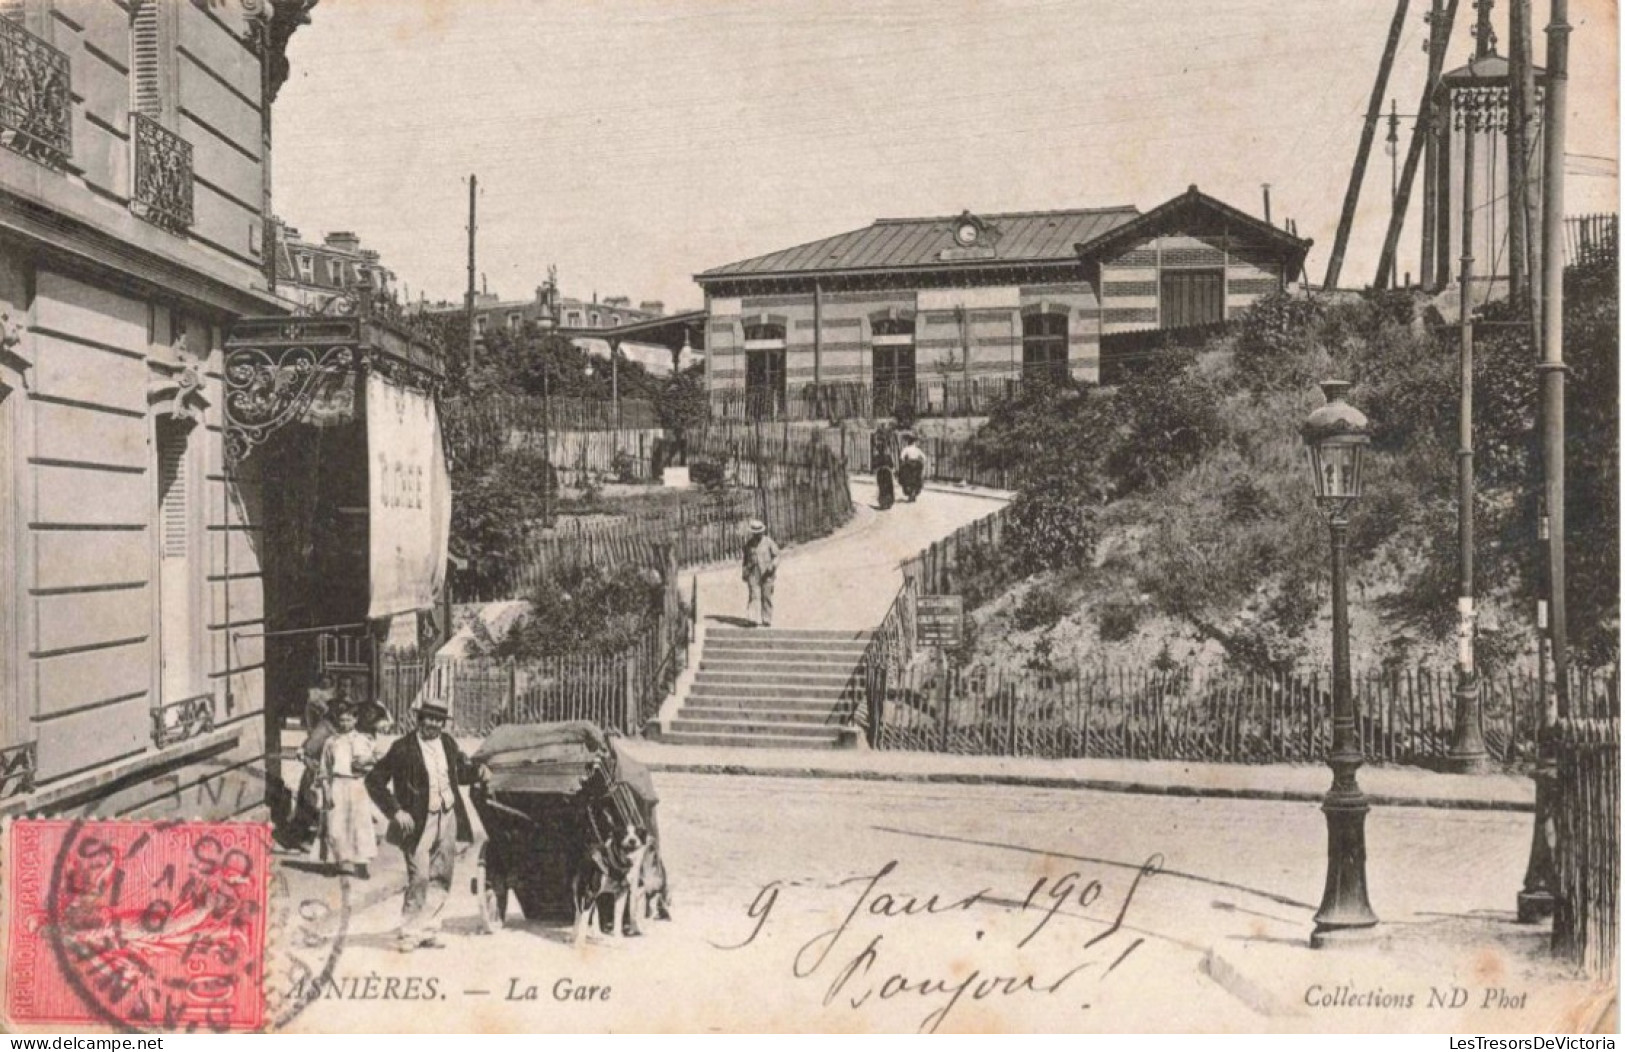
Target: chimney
{"type": "Point", "coordinates": [344, 241]}
{"type": "Point", "coordinates": [652, 307]}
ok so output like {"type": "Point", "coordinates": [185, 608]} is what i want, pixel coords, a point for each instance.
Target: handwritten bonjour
{"type": "Point", "coordinates": [855, 979]}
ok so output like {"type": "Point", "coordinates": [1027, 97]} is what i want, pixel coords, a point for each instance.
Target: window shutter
{"type": "Point", "coordinates": [149, 100]}
{"type": "Point", "coordinates": [172, 490]}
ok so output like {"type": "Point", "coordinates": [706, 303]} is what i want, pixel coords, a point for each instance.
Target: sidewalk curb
{"type": "Point", "coordinates": [1105, 785]}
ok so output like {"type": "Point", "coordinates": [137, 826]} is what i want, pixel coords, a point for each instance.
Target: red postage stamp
{"type": "Point", "coordinates": [139, 925]}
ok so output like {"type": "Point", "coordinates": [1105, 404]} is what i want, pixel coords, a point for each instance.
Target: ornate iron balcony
{"type": "Point", "coordinates": [162, 191]}
{"type": "Point", "coordinates": [36, 100]}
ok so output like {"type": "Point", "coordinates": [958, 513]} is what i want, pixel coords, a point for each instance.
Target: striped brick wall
{"type": "Point", "coordinates": [1131, 280]}
{"type": "Point", "coordinates": [992, 333]}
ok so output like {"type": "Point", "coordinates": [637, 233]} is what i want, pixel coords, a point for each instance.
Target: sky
{"type": "Point", "coordinates": [634, 143]}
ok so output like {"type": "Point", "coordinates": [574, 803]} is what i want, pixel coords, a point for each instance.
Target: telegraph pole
{"type": "Point", "coordinates": [1373, 114]}
{"type": "Point", "coordinates": [1536, 900]}
{"type": "Point", "coordinates": [1424, 137]}
{"type": "Point", "coordinates": [468, 297]}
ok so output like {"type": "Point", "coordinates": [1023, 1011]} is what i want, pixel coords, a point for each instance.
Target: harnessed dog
{"type": "Point", "coordinates": [612, 869]}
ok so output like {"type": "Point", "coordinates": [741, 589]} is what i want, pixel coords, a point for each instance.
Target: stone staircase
{"type": "Point", "coordinates": [787, 688]}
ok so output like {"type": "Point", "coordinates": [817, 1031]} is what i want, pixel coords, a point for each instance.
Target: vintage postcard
{"type": "Point", "coordinates": [701, 516]}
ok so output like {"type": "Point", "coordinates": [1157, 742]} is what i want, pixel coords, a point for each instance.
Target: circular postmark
{"type": "Point", "coordinates": [161, 924]}
{"type": "Point", "coordinates": [175, 924]}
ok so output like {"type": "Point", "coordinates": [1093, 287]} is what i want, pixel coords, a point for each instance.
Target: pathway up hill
{"type": "Point", "coordinates": [787, 686]}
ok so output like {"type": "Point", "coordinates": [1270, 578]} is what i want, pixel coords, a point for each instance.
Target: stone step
{"type": "Point", "coordinates": [792, 729]}
{"type": "Point", "coordinates": [835, 635]}
{"type": "Point", "coordinates": [803, 657]}
{"type": "Point", "coordinates": [775, 696]}
{"type": "Point", "coordinates": [750, 741]}
{"type": "Point", "coordinates": [831, 717]}
{"type": "Point", "coordinates": [769, 680]}
{"type": "Point", "coordinates": [777, 664]}
{"type": "Point", "coordinates": [852, 651]}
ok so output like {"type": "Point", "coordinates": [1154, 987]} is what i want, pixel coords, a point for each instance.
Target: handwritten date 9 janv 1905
{"type": "Point", "coordinates": [863, 968]}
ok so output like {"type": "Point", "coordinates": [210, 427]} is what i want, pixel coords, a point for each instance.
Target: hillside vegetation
{"type": "Point", "coordinates": [1170, 521]}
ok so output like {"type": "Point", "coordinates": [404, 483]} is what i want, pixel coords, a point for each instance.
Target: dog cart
{"type": "Point", "coordinates": [558, 793]}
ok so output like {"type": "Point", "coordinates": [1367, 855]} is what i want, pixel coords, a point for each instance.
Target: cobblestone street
{"type": "Point", "coordinates": [788, 917]}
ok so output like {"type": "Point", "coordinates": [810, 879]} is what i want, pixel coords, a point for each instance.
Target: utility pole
{"type": "Point", "coordinates": [1523, 28]}
{"type": "Point", "coordinates": [1392, 149]}
{"type": "Point", "coordinates": [1424, 138]}
{"type": "Point", "coordinates": [1517, 153]}
{"type": "Point", "coordinates": [1537, 900]}
{"type": "Point", "coordinates": [468, 297]}
{"type": "Point", "coordinates": [1351, 198]}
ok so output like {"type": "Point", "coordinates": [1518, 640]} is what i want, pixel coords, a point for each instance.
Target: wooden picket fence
{"type": "Point", "coordinates": [934, 570]}
{"type": "Point", "coordinates": [932, 396]}
{"type": "Point", "coordinates": [947, 459]}
{"type": "Point", "coordinates": [800, 490]}
{"type": "Point", "coordinates": [1406, 716]}
{"type": "Point", "coordinates": [621, 690]}
{"type": "Point", "coordinates": [1585, 816]}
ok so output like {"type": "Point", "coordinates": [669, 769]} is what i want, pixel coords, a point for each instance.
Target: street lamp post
{"type": "Point", "coordinates": [1337, 435]}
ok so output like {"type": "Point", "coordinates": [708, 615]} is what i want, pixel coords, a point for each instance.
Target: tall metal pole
{"type": "Point", "coordinates": [1552, 367]}
{"type": "Point", "coordinates": [1373, 113]}
{"type": "Point", "coordinates": [1345, 905]}
{"type": "Point", "coordinates": [468, 297]}
{"type": "Point", "coordinates": [1424, 138]}
{"type": "Point", "coordinates": [1530, 206]}
{"type": "Point", "coordinates": [1517, 153]}
{"type": "Point", "coordinates": [1536, 900]}
{"type": "Point", "coordinates": [1467, 752]}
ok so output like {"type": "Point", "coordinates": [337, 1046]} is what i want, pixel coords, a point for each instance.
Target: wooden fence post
{"type": "Point", "coordinates": [947, 698]}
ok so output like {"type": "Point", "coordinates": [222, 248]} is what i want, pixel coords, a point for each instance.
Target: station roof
{"type": "Point", "coordinates": [931, 243]}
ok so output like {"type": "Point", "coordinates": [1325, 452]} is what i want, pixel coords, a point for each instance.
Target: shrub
{"type": "Point", "coordinates": [495, 511]}
{"type": "Point", "coordinates": [1118, 620]}
{"type": "Point", "coordinates": [586, 609]}
{"type": "Point", "coordinates": [707, 473]}
{"type": "Point", "coordinates": [1049, 530]}
{"type": "Point", "coordinates": [1041, 607]}
{"type": "Point", "coordinates": [1278, 332]}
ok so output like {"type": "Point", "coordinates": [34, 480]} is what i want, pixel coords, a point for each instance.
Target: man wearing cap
{"type": "Point", "coordinates": [416, 783]}
{"type": "Point", "coordinates": [761, 566]}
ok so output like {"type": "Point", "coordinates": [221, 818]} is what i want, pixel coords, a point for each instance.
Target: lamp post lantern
{"type": "Point", "coordinates": [1337, 435]}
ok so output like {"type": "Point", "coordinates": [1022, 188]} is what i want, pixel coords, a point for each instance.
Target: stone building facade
{"type": "Point", "coordinates": [134, 183]}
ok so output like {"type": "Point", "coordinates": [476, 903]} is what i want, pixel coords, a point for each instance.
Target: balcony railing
{"type": "Point", "coordinates": [162, 194]}
{"type": "Point", "coordinates": [36, 100]}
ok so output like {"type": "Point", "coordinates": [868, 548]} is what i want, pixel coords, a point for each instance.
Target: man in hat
{"type": "Point", "coordinates": [416, 783]}
{"type": "Point", "coordinates": [761, 567]}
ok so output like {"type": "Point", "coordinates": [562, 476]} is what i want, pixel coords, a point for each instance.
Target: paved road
{"type": "Point", "coordinates": [1215, 941]}
{"type": "Point", "coordinates": [849, 579]}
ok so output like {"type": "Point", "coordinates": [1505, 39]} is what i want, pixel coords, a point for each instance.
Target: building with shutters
{"type": "Point", "coordinates": [919, 309]}
{"type": "Point", "coordinates": [134, 188]}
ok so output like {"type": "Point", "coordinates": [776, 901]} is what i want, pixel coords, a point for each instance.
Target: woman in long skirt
{"type": "Point", "coordinates": [349, 839]}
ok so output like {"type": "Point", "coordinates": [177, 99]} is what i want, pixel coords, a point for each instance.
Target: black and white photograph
{"type": "Point", "coordinates": [822, 516]}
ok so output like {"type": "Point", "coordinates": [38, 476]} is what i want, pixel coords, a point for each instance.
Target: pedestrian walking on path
{"type": "Point", "coordinates": [760, 569]}
{"type": "Point", "coordinates": [417, 783]}
{"type": "Point", "coordinates": [911, 466]}
{"type": "Point", "coordinates": [883, 463]}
